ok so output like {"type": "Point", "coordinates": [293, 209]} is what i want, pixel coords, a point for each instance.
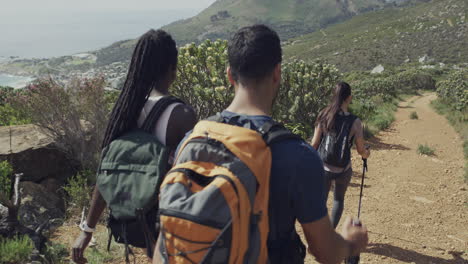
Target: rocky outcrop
{"type": "Point", "coordinates": [40, 207]}
{"type": "Point", "coordinates": [33, 154]}
{"type": "Point", "coordinates": [45, 169]}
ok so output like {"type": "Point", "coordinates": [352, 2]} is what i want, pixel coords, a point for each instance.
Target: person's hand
{"type": "Point", "coordinates": [356, 235]}
{"type": "Point", "coordinates": [366, 154]}
{"type": "Point", "coordinates": [79, 247]}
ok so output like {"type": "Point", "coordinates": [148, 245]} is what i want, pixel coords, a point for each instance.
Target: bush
{"type": "Point", "coordinates": [202, 82]}
{"type": "Point", "coordinates": [425, 150]}
{"type": "Point", "coordinates": [201, 77]}
{"type": "Point", "coordinates": [6, 172]}
{"type": "Point", "coordinates": [74, 116]}
{"type": "Point", "coordinates": [78, 190]}
{"type": "Point", "coordinates": [454, 90]}
{"type": "Point", "coordinates": [414, 115]}
{"type": "Point", "coordinates": [56, 253]}
{"type": "Point", "coordinates": [16, 250]}
{"type": "Point", "coordinates": [8, 115]}
{"type": "Point", "coordinates": [305, 90]}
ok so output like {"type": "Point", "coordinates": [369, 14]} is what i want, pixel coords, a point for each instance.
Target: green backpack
{"type": "Point", "coordinates": [131, 171]}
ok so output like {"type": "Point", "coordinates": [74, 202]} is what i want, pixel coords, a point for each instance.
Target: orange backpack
{"type": "Point", "coordinates": [214, 202]}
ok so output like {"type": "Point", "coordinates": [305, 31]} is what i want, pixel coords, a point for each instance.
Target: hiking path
{"type": "Point", "coordinates": [415, 206]}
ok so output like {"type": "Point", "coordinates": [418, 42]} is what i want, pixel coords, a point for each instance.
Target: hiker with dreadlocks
{"type": "Point", "coordinates": [335, 132]}
{"type": "Point", "coordinates": [151, 72]}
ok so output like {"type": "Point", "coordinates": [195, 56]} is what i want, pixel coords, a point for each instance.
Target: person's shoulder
{"type": "Point", "coordinates": [184, 112]}
{"type": "Point", "coordinates": [296, 150]}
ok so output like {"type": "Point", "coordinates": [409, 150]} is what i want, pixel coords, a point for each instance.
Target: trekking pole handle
{"type": "Point", "coordinates": [357, 222]}
{"type": "Point", "coordinates": [365, 160]}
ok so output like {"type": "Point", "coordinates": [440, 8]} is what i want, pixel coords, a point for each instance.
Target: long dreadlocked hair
{"type": "Point", "coordinates": [154, 56]}
{"type": "Point", "coordinates": [326, 118]}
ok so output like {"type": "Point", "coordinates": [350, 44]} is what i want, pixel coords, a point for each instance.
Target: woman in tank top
{"type": "Point", "coordinates": [335, 132]}
{"type": "Point", "coordinates": [151, 72]}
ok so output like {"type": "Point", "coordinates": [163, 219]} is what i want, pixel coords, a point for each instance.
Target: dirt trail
{"type": "Point", "coordinates": [415, 206]}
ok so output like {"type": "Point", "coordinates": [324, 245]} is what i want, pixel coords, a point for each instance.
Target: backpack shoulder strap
{"type": "Point", "coordinates": [216, 118]}
{"type": "Point", "coordinates": [157, 111]}
{"type": "Point", "coordinates": [273, 132]}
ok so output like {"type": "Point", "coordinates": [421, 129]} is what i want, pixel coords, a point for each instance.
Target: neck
{"type": "Point", "coordinates": [159, 92]}
{"type": "Point", "coordinates": [250, 101]}
{"type": "Point", "coordinates": [344, 107]}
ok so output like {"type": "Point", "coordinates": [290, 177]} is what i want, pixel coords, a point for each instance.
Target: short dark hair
{"type": "Point", "coordinates": [254, 52]}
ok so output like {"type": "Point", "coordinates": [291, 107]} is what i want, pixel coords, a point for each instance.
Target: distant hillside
{"type": "Point", "coordinates": [290, 18]}
{"type": "Point", "coordinates": [438, 29]}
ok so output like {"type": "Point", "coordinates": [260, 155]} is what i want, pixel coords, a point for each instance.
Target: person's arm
{"type": "Point", "coordinates": [95, 211]}
{"type": "Point", "coordinates": [317, 136]}
{"type": "Point", "coordinates": [360, 143]}
{"type": "Point", "coordinates": [309, 205]}
{"type": "Point", "coordinates": [327, 246]}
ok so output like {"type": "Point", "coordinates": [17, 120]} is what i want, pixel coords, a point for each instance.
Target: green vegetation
{"type": "Point", "coordinates": [10, 116]}
{"type": "Point", "coordinates": [454, 90]}
{"type": "Point", "coordinates": [453, 104]}
{"type": "Point", "coordinates": [392, 36]}
{"type": "Point", "coordinates": [56, 253]}
{"type": "Point", "coordinates": [202, 82]}
{"type": "Point", "coordinates": [414, 115]}
{"type": "Point", "coordinates": [424, 149]}
{"type": "Point", "coordinates": [6, 171]}
{"type": "Point", "coordinates": [78, 191]}
{"type": "Point", "coordinates": [289, 17]}
{"type": "Point", "coordinates": [99, 254]}
{"type": "Point", "coordinates": [16, 250]}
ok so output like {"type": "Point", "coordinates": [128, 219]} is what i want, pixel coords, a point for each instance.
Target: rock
{"type": "Point", "coordinates": [40, 206]}
{"type": "Point", "coordinates": [3, 211]}
{"type": "Point", "coordinates": [462, 189]}
{"type": "Point", "coordinates": [378, 69]}
{"type": "Point", "coordinates": [34, 155]}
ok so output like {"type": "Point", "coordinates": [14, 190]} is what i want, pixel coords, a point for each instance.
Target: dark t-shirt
{"type": "Point", "coordinates": [296, 186]}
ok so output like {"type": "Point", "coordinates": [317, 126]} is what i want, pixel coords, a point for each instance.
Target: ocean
{"type": "Point", "coordinates": [59, 34]}
{"type": "Point", "coordinates": [14, 81]}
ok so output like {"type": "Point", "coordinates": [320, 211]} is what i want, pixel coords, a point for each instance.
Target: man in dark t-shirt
{"type": "Point", "coordinates": [297, 186]}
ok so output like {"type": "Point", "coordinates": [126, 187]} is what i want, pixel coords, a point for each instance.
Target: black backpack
{"type": "Point", "coordinates": [335, 146]}
{"type": "Point", "coordinates": [131, 170]}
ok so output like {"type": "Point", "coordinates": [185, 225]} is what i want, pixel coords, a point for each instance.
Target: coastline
{"type": "Point", "coordinates": [15, 81]}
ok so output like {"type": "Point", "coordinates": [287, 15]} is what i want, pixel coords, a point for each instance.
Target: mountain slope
{"type": "Point", "coordinates": [392, 36]}
{"type": "Point", "coordinates": [289, 17]}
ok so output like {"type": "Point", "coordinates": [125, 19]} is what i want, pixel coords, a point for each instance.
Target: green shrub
{"type": "Point", "coordinates": [202, 82]}
{"type": "Point", "coordinates": [6, 171]}
{"type": "Point", "coordinates": [56, 253]}
{"type": "Point", "coordinates": [425, 150]}
{"type": "Point", "coordinates": [16, 250]}
{"type": "Point", "coordinates": [78, 190]}
{"type": "Point", "coordinates": [454, 90]}
{"type": "Point", "coordinates": [414, 115]}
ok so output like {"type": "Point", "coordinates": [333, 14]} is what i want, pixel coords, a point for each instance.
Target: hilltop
{"type": "Point", "coordinates": [290, 18]}
{"type": "Point", "coordinates": [433, 32]}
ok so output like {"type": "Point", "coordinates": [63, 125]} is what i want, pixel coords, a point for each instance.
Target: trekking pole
{"type": "Point", "coordinates": [364, 170]}
{"type": "Point", "coordinates": [357, 222]}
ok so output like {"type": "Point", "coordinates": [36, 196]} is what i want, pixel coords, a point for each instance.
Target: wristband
{"type": "Point", "coordinates": [85, 228]}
